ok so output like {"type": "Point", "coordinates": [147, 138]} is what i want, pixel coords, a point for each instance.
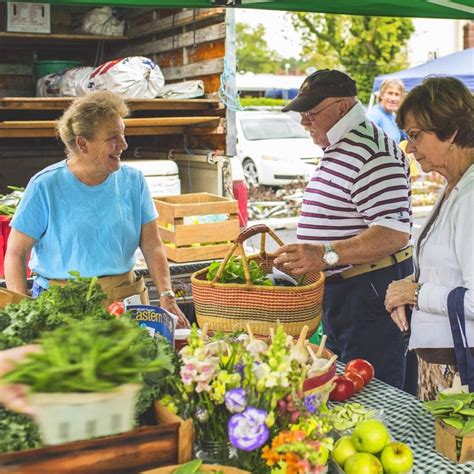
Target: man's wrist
{"type": "Point", "coordinates": [167, 294]}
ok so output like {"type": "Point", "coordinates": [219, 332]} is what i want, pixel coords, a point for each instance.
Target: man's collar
{"type": "Point", "coordinates": [354, 117]}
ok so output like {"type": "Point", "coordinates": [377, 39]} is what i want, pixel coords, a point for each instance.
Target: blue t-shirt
{"type": "Point", "coordinates": [386, 121]}
{"type": "Point", "coordinates": [91, 229]}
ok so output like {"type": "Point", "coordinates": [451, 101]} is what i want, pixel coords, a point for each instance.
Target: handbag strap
{"type": "Point", "coordinates": [464, 358]}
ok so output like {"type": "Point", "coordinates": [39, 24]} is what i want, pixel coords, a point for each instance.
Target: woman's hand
{"type": "Point", "coordinates": [400, 293]}
{"type": "Point", "coordinates": [12, 396]}
{"type": "Point", "coordinates": [400, 318]}
{"type": "Point", "coordinates": [169, 303]}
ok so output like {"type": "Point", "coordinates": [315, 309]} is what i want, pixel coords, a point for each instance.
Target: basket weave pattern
{"type": "Point", "coordinates": [229, 306]}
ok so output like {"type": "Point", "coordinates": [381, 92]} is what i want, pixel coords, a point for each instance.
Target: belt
{"type": "Point", "coordinates": [385, 262]}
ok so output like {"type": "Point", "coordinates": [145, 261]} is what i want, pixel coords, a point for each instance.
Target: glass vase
{"type": "Point", "coordinates": [215, 452]}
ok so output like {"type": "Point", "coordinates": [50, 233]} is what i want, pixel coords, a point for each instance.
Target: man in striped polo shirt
{"type": "Point", "coordinates": [355, 223]}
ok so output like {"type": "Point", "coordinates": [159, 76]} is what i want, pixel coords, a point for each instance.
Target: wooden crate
{"type": "Point", "coordinates": [169, 442]}
{"type": "Point", "coordinates": [182, 237]}
{"type": "Point", "coordinates": [445, 442]}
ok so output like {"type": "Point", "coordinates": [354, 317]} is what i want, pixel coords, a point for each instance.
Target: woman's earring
{"type": "Point", "coordinates": [451, 147]}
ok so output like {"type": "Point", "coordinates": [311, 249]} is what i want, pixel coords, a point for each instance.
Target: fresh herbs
{"type": "Point", "coordinates": [234, 272]}
{"type": "Point", "coordinates": [456, 410]}
{"type": "Point", "coordinates": [86, 356]}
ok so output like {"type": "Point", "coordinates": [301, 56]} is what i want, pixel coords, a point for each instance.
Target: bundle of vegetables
{"type": "Point", "coordinates": [80, 300]}
{"type": "Point", "coordinates": [9, 202]}
{"type": "Point", "coordinates": [454, 409]}
{"type": "Point", "coordinates": [234, 272]}
{"type": "Point", "coordinates": [86, 356]}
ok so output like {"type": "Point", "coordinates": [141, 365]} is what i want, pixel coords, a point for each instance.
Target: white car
{"type": "Point", "coordinates": [274, 149]}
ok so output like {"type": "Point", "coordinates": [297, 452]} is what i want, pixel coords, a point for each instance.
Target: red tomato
{"type": "Point", "coordinates": [363, 368]}
{"type": "Point", "coordinates": [344, 388]}
{"type": "Point", "coordinates": [356, 378]}
{"type": "Point", "coordinates": [116, 308]}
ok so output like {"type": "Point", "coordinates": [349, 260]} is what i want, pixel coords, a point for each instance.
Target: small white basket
{"type": "Point", "coordinates": [65, 417]}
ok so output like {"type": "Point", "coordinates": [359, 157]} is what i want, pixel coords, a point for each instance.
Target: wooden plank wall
{"type": "Point", "coordinates": [187, 44]}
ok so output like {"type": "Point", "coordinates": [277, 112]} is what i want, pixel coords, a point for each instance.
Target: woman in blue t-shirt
{"type": "Point", "coordinates": [89, 213]}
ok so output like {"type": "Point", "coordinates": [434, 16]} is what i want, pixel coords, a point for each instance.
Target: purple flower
{"type": "Point", "coordinates": [312, 402]}
{"type": "Point", "coordinates": [236, 400]}
{"type": "Point", "coordinates": [239, 369]}
{"type": "Point", "coordinates": [247, 430]}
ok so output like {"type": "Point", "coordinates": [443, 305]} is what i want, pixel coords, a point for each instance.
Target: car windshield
{"type": "Point", "coordinates": [270, 128]}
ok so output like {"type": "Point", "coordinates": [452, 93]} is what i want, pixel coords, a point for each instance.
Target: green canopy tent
{"type": "Point", "coordinates": [456, 9]}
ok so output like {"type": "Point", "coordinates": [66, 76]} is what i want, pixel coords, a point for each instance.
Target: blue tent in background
{"type": "Point", "coordinates": [460, 65]}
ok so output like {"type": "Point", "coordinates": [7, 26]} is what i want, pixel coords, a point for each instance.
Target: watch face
{"type": "Point", "coordinates": [331, 258]}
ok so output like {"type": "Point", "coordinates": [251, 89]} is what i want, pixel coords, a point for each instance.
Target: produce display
{"type": "Point", "coordinates": [369, 450]}
{"type": "Point", "coordinates": [425, 188]}
{"type": "Point", "coordinates": [454, 409]}
{"type": "Point", "coordinates": [62, 306]}
{"type": "Point", "coordinates": [357, 374]}
{"type": "Point", "coordinates": [234, 272]}
{"type": "Point", "coordinates": [9, 202]}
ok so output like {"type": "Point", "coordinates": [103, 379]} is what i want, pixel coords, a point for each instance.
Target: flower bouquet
{"type": "Point", "coordinates": [242, 392]}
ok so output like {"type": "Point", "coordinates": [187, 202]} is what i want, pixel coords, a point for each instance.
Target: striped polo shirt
{"type": "Point", "coordinates": [362, 180]}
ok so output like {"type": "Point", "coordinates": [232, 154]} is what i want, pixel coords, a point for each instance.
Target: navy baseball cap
{"type": "Point", "coordinates": [319, 86]}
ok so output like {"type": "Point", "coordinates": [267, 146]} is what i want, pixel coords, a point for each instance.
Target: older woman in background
{"type": "Point", "coordinates": [438, 117]}
{"type": "Point", "coordinates": [88, 213]}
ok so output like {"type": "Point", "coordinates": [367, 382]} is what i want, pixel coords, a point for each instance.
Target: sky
{"type": "Point", "coordinates": [280, 34]}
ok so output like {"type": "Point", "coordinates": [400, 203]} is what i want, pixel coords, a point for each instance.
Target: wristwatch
{"type": "Point", "coordinates": [169, 293]}
{"type": "Point", "coordinates": [330, 256]}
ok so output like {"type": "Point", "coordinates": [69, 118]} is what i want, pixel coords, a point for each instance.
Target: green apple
{"type": "Point", "coordinates": [370, 436]}
{"type": "Point", "coordinates": [363, 463]}
{"type": "Point", "coordinates": [343, 449]}
{"type": "Point", "coordinates": [396, 458]}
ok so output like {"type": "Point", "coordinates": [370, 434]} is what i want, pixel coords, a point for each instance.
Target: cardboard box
{"type": "Point", "coordinates": [28, 17]}
{"type": "Point", "coordinates": [446, 438]}
{"type": "Point", "coordinates": [197, 226]}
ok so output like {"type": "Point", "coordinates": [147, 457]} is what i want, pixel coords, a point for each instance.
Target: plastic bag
{"type": "Point", "coordinates": [134, 77]}
{"type": "Point", "coordinates": [183, 90]}
{"type": "Point", "coordinates": [66, 83]}
{"type": "Point", "coordinates": [101, 21]}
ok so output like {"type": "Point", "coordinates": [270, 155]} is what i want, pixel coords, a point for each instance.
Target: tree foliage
{"type": "Point", "coordinates": [362, 46]}
{"type": "Point", "coordinates": [253, 52]}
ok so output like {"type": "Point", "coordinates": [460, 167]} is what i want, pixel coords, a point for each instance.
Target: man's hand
{"type": "Point", "coordinates": [12, 396]}
{"type": "Point", "coordinates": [169, 303]}
{"type": "Point", "coordinates": [300, 258]}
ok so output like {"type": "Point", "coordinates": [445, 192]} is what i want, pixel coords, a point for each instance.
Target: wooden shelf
{"type": "Point", "coordinates": [6, 35]}
{"type": "Point", "coordinates": [61, 103]}
{"type": "Point", "coordinates": [138, 126]}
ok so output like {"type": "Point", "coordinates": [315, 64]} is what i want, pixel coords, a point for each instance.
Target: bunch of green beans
{"type": "Point", "coordinates": [85, 356]}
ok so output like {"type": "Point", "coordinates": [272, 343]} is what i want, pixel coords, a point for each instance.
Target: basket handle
{"type": "Point", "coordinates": [239, 244]}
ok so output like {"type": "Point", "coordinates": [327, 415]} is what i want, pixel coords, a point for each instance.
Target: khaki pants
{"type": "Point", "coordinates": [118, 287]}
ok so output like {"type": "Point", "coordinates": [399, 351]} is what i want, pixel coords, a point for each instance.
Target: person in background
{"type": "Point", "coordinates": [384, 113]}
{"type": "Point", "coordinates": [354, 225]}
{"type": "Point", "coordinates": [438, 117]}
{"type": "Point", "coordinates": [12, 396]}
{"type": "Point", "coordinates": [88, 213]}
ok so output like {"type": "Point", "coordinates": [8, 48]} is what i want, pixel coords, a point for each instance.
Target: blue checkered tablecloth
{"type": "Point", "coordinates": [410, 423]}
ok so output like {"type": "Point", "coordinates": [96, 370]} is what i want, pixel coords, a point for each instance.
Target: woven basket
{"type": "Point", "coordinates": [230, 307]}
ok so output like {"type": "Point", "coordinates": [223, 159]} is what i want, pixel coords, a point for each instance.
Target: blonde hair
{"type": "Point", "coordinates": [85, 115]}
{"type": "Point", "coordinates": [442, 105]}
{"type": "Point", "coordinates": [391, 82]}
